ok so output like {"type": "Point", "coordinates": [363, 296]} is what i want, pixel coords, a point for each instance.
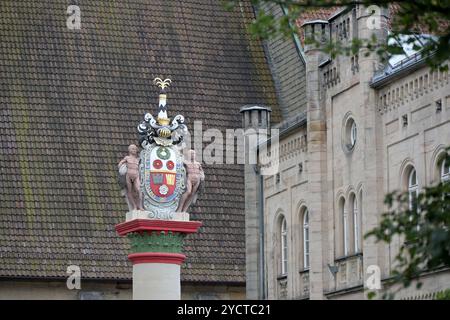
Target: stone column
{"type": "Point", "coordinates": [317, 158]}
{"type": "Point", "coordinates": [373, 193]}
{"type": "Point", "coordinates": [156, 254]}
{"type": "Point", "coordinates": [254, 118]}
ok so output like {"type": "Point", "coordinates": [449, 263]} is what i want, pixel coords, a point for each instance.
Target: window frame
{"type": "Point", "coordinates": [356, 227]}
{"type": "Point", "coordinates": [283, 246]}
{"type": "Point", "coordinates": [345, 234]}
{"type": "Point", "coordinates": [306, 240]}
{"type": "Point", "coordinates": [353, 134]}
{"type": "Point", "coordinates": [413, 188]}
{"type": "Point", "coordinates": [349, 134]}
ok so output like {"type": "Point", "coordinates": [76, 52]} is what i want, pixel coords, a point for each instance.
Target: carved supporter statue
{"type": "Point", "coordinates": [129, 169]}
{"type": "Point", "coordinates": [194, 180]}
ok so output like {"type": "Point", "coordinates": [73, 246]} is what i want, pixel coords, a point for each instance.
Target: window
{"type": "Point", "coordinates": [344, 217]}
{"type": "Point", "coordinates": [284, 252]}
{"type": "Point", "coordinates": [445, 170]}
{"type": "Point", "coordinates": [356, 224]}
{"type": "Point", "coordinates": [348, 28]}
{"type": "Point", "coordinates": [345, 227]}
{"type": "Point", "coordinates": [413, 188]}
{"type": "Point", "coordinates": [306, 240]}
{"type": "Point", "coordinates": [405, 120]}
{"type": "Point", "coordinates": [353, 135]}
{"type": "Point", "coordinates": [349, 134]}
{"type": "Point", "coordinates": [439, 105]}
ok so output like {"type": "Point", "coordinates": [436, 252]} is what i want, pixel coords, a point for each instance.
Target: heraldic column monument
{"type": "Point", "coordinates": [160, 183]}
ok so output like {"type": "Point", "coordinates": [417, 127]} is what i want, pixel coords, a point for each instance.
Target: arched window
{"type": "Point", "coordinates": [413, 188]}
{"type": "Point", "coordinates": [344, 217]}
{"type": "Point", "coordinates": [356, 224]}
{"type": "Point", "coordinates": [445, 170]}
{"type": "Point", "coordinates": [306, 240]}
{"type": "Point", "coordinates": [284, 248]}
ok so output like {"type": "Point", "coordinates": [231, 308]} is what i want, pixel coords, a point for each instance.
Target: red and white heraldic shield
{"type": "Point", "coordinates": [163, 171]}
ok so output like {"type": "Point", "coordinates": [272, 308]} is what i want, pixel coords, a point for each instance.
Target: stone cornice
{"type": "Point", "coordinates": [138, 225]}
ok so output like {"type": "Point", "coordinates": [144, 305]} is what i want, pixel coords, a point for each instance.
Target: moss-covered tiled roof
{"type": "Point", "coordinates": [70, 101]}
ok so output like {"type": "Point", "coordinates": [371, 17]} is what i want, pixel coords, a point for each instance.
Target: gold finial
{"type": "Point", "coordinates": [162, 83]}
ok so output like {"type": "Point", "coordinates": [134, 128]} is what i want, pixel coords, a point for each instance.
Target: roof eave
{"type": "Point", "coordinates": [122, 280]}
{"type": "Point", "coordinates": [396, 74]}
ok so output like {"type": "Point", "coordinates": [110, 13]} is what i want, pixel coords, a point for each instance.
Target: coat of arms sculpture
{"type": "Point", "coordinates": [162, 183]}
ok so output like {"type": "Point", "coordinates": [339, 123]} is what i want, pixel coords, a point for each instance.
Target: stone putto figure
{"type": "Point", "coordinates": [194, 179]}
{"type": "Point", "coordinates": [129, 169]}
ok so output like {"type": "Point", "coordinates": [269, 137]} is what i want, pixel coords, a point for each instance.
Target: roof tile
{"type": "Point", "coordinates": [70, 102]}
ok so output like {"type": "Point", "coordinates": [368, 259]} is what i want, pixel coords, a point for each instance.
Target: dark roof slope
{"type": "Point", "coordinates": [70, 101]}
{"type": "Point", "coordinates": [288, 68]}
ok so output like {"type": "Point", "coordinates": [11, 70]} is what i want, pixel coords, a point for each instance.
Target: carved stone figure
{"type": "Point", "coordinates": [129, 167]}
{"type": "Point", "coordinates": [194, 179]}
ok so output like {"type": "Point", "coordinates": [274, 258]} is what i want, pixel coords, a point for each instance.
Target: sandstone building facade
{"type": "Point", "coordinates": [350, 131]}
{"type": "Point", "coordinates": [363, 130]}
